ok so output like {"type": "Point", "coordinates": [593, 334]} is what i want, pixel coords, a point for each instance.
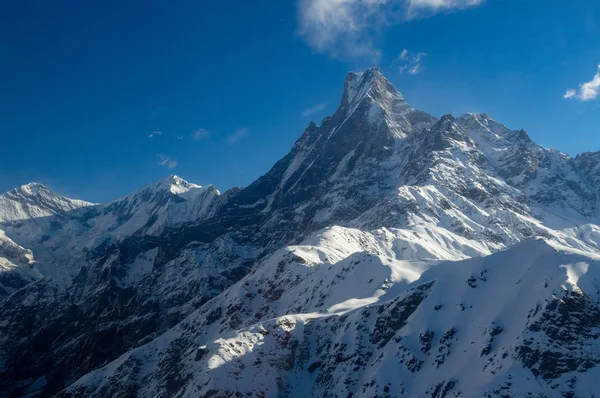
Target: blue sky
{"type": "Point", "coordinates": [97, 99]}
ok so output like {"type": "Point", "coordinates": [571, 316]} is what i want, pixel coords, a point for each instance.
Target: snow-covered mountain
{"type": "Point", "coordinates": [62, 233]}
{"type": "Point", "coordinates": [311, 322]}
{"type": "Point", "coordinates": [389, 253]}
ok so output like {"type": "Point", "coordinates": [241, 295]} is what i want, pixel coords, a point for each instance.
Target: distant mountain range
{"type": "Point", "coordinates": [389, 253]}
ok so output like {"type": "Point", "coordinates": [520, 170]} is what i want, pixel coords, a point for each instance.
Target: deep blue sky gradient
{"type": "Point", "coordinates": [83, 84]}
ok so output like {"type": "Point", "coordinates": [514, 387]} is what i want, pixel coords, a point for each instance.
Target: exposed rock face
{"type": "Point", "coordinates": [179, 290]}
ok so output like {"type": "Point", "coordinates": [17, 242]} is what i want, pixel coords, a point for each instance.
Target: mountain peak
{"type": "Point", "coordinates": [370, 74]}
{"type": "Point", "coordinates": [33, 188]}
{"type": "Point", "coordinates": [174, 180]}
{"type": "Point", "coordinates": [370, 83]}
{"type": "Point", "coordinates": [478, 116]}
{"type": "Point", "coordinates": [174, 184]}
{"type": "Point", "coordinates": [380, 101]}
{"type": "Point", "coordinates": [35, 200]}
{"type": "Point", "coordinates": [483, 123]}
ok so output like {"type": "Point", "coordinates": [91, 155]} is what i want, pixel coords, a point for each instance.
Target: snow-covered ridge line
{"type": "Point", "coordinates": [35, 200]}
{"type": "Point", "coordinates": [61, 231]}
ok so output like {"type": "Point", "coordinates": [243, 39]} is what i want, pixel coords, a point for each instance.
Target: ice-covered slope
{"type": "Point", "coordinates": [344, 319]}
{"type": "Point", "coordinates": [29, 216]}
{"type": "Point", "coordinates": [546, 176]}
{"type": "Point", "coordinates": [35, 201]}
{"type": "Point", "coordinates": [378, 192]}
{"type": "Point", "coordinates": [16, 270]}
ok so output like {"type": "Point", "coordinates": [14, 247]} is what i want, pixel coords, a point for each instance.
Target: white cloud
{"type": "Point", "coordinates": [314, 109]}
{"type": "Point", "coordinates": [415, 70]}
{"type": "Point", "coordinates": [180, 137]}
{"type": "Point", "coordinates": [587, 91]}
{"type": "Point", "coordinates": [154, 134]}
{"type": "Point", "coordinates": [200, 134]}
{"type": "Point", "coordinates": [164, 160]}
{"type": "Point", "coordinates": [338, 27]}
{"type": "Point", "coordinates": [591, 89]}
{"type": "Point", "coordinates": [349, 28]}
{"type": "Point", "coordinates": [420, 8]}
{"type": "Point", "coordinates": [238, 135]}
{"type": "Point", "coordinates": [570, 94]}
{"type": "Point", "coordinates": [409, 63]}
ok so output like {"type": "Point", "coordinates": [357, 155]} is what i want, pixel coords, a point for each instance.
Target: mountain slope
{"type": "Point", "coordinates": [376, 198]}
{"type": "Point", "coordinates": [34, 201]}
{"type": "Point", "coordinates": [28, 214]}
{"type": "Point", "coordinates": [15, 266]}
{"type": "Point", "coordinates": [525, 320]}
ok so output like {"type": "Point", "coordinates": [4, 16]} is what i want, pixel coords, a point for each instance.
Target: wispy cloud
{"type": "Point", "coordinates": [154, 134]}
{"type": "Point", "coordinates": [350, 28]}
{"type": "Point", "coordinates": [587, 91]}
{"type": "Point", "coordinates": [409, 63]}
{"type": "Point", "coordinates": [314, 109]}
{"type": "Point", "coordinates": [570, 94]}
{"type": "Point", "coordinates": [237, 136]}
{"type": "Point", "coordinates": [167, 161]}
{"type": "Point", "coordinates": [200, 134]}
{"type": "Point", "coordinates": [424, 8]}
